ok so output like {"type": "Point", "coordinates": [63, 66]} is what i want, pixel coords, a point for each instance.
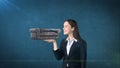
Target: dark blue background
{"type": "Point", "coordinates": [98, 20]}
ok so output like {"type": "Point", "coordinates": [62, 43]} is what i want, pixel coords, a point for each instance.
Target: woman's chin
{"type": "Point", "coordinates": [65, 33]}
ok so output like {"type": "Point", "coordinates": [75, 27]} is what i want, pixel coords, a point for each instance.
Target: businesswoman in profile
{"type": "Point", "coordinates": [73, 48]}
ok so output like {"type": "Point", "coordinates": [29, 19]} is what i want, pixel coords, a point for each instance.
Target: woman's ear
{"type": "Point", "coordinates": [73, 28]}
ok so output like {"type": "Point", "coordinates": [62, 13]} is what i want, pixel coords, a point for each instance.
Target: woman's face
{"type": "Point", "coordinates": [67, 28]}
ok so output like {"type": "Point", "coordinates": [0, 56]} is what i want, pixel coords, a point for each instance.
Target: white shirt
{"type": "Point", "coordinates": [69, 44]}
{"type": "Point", "coordinates": [68, 47]}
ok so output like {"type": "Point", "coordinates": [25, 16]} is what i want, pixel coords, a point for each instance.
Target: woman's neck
{"type": "Point", "coordinates": [70, 36]}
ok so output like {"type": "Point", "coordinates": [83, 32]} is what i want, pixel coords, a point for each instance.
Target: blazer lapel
{"type": "Point", "coordinates": [65, 47]}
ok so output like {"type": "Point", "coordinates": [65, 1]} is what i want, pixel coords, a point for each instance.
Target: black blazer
{"type": "Point", "coordinates": [77, 54]}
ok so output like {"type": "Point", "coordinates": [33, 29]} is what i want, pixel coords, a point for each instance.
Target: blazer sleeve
{"type": "Point", "coordinates": [59, 52]}
{"type": "Point", "coordinates": [83, 54]}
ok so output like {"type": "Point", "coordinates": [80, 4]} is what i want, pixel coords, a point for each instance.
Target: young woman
{"type": "Point", "coordinates": [73, 48]}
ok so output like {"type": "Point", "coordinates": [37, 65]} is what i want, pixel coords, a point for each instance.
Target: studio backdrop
{"type": "Point", "coordinates": [98, 21]}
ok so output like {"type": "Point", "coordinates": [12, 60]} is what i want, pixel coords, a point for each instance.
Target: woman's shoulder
{"type": "Point", "coordinates": [82, 42]}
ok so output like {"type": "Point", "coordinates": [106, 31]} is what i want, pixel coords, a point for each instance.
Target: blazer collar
{"type": "Point", "coordinates": [67, 39]}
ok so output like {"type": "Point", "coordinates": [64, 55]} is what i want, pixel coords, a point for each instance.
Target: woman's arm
{"type": "Point", "coordinates": [83, 53]}
{"type": "Point", "coordinates": [57, 52]}
{"type": "Point", "coordinates": [54, 43]}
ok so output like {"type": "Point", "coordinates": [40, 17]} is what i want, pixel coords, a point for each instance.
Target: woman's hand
{"type": "Point", "coordinates": [50, 40]}
{"type": "Point", "coordinates": [54, 43]}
